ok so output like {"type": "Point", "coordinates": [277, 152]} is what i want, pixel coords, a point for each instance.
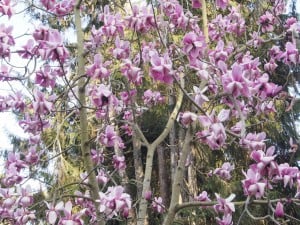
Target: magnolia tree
{"type": "Point", "coordinates": [199, 60]}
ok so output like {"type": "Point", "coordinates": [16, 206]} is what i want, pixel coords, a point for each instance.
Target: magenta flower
{"type": "Point", "coordinates": [291, 54]}
{"type": "Point", "coordinates": [263, 159]}
{"type": "Point", "coordinates": [287, 174]}
{"type": "Point", "coordinates": [193, 46]}
{"type": "Point", "coordinates": [6, 39]}
{"type": "Point", "coordinates": [119, 162]}
{"type": "Point", "coordinates": [254, 141]}
{"type": "Point", "coordinates": [45, 77]}
{"type": "Point", "coordinates": [279, 212]}
{"type": "Point", "coordinates": [235, 82]}
{"type": "Point", "coordinates": [224, 205]}
{"type": "Point", "coordinates": [132, 72]}
{"type": "Point", "coordinates": [32, 157]}
{"type": "Point", "coordinates": [267, 21]}
{"type": "Point", "coordinates": [196, 4]}
{"type": "Point", "coordinates": [114, 201]}
{"type": "Point", "coordinates": [226, 220]}
{"type": "Point", "coordinates": [98, 70]}
{"type": "Point", "coordinates": [222, 4]}
{"type": "Point", "coordinates": [224, 171]}
{"type": "Point", "coordinates": [40, 104]}
{"type": "Point", "coordinates": [6, 8]}
{"type": "Point", "coordinates": [157, 205]}
{"type": "Point", "coordinates": [187, 118]}
{"type": "Point", "coordinates": [254, 185]}
{"type": "Point", "coordinates": [109, 137]}
{"type": "Point", "coordinates": [202, 197]}
{"type": "Point", "coordinates": [161, 68]}
{"type": "Point", "coordinates": [122, 49]}
{"type": "Point", "coordinates": [53, 212]}
{"type": "Point", "coordinates": [152, 98]}
{"type": "Point", "coordinates": [148, 195]}
{"type": "Point", "coordinates": [26, 197]}
{"type": "Point", "coordinates": [200, 98]}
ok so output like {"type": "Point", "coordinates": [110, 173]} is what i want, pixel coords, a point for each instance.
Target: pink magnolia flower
{"type": "Point", "coordinates": [225, 205]}
{"type": "Point", "coordinates": [102, 97]}
{"type": "Point", "coordinates": [29, 50]}
{"type": "Point", "coordinates": [187, 118]}
{"type": "Point", "coordinates": [286, 173]}
{"type": "Point", "coordinates": [161, 68]}
{"type": "Point", "coordinates": [109, 137]}
{"type": "Point", "coordinates": [114, 201]}
{"type": "Point", "coordinates": [152, 97]}
{"type": "Point", "coordinates": [157, 205]}
{"type": "Point", "coordinates": [23, 215]}
{"type": "Point", "coordinates": [263, 159]}
{"type": "Point", "coordinates": [122, 49]}
{"type": "Point", "coordinates": [6, 40]}
{"type": "Point", "coordinates": [224, 171]}
{"type": "Point", "coordinates": [234, 82]}
{"type": "Point", "coordinates": [202, 197]}
{"type": "Point", "coordinates": [271, 65]}
{"type": "Point", "coordinates": [279, 212]}
{"type": "Point", "coordinates": [214, 135]}
{"type": "Point", "coordinates": [222, 4]}
{"type": "Point", "coordinates": [267, 21]}
{"type": "Point", "coordinates": [98, 70]}
{"type": "Point", "coordinates": [102, 177]}
{"type": "Point", "coordinates": [32, 157]}
{"type": "Point", "coordinates": [119, 162]}
{"type": "Point", "coordinates": [53, 212]}
{"type": "Point", "coordinates": [254, 184]}
{"type": "Point", "coordinates": [141, 20]}
{"type": "Point", "coordinates": [45, 77]}
{"type": "Point", "coordinates": [41, 104]}
{"type": "Point", "coordinates": [26, 197]}
{"type": "Point", "coordinates": [64, 7]}
{"type": "Point", "coordinates": [196, 4]}
{"type": "Point", "coordinates": [148, 195]}
{"type": "Point", "coordinates": [193, 46]}
{"type": "Point", "coordinates": [200, 98]}
{"type": "Point", "coordinates": [6, 8]}
{"type": "Point", "coordinates": [226, 220]}
{"type": "Point", "coordinates": [132, 72]}
{"type": "Point", "coordinates": [113, 25]}
{"type": "Point", "coordinates": [254, 141]}
{"type": "Point", "coordinates": [97, 156]}
{"type": "Point", "coordinates": [291, 54]}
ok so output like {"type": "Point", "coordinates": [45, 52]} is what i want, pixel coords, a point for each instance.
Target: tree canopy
{"type": "Point", "coordinates": [151, 112]}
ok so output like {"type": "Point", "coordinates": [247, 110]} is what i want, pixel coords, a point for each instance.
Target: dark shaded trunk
{"type": "Point", "coordinates": [163, 176]}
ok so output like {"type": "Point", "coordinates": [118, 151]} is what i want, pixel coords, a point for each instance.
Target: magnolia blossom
{"type": "Point", "coordinates": [224, 171]}
{"type": "Point", "coordinates": [193, 45]}
{"type": "Point", "coordinates": [202, 197]}
{"type": "Point", "coordinates": [161, 68]}
{"type": "Point", "coordinates": [6, 8]}
{"type": "Point", "coordinates": [226, 220]}
{"type": "Point", "coordinates": [99, 68]}
{"type": "Point", "coordinates": [225, 205]}
{"type": "Point", "coordinates": [157, 205]}
{"type": "Point", "coordinates": [267, 21]}
{"type": "Point", "coordinates": [279, 212]}
{"type": "Point", "coordinates": [114, 201]}
{"type": "Point", "coordinates": [119, 162]}
{"type": "Point", "coordinates": [263, 159]}
{"type": "Point", "coordinates": [254, 184]}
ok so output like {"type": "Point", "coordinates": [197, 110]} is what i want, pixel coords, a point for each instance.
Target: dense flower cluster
{"type": "Point", "coordinates": [131, 61]}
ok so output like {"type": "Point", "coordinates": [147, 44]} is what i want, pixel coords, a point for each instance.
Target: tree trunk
{"type": "Point", "coordinates": [163, 176]}
{"type": "Point", "coordinates": [84, 135]}
{"type": "Point", "coordinates": [178, 180]}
